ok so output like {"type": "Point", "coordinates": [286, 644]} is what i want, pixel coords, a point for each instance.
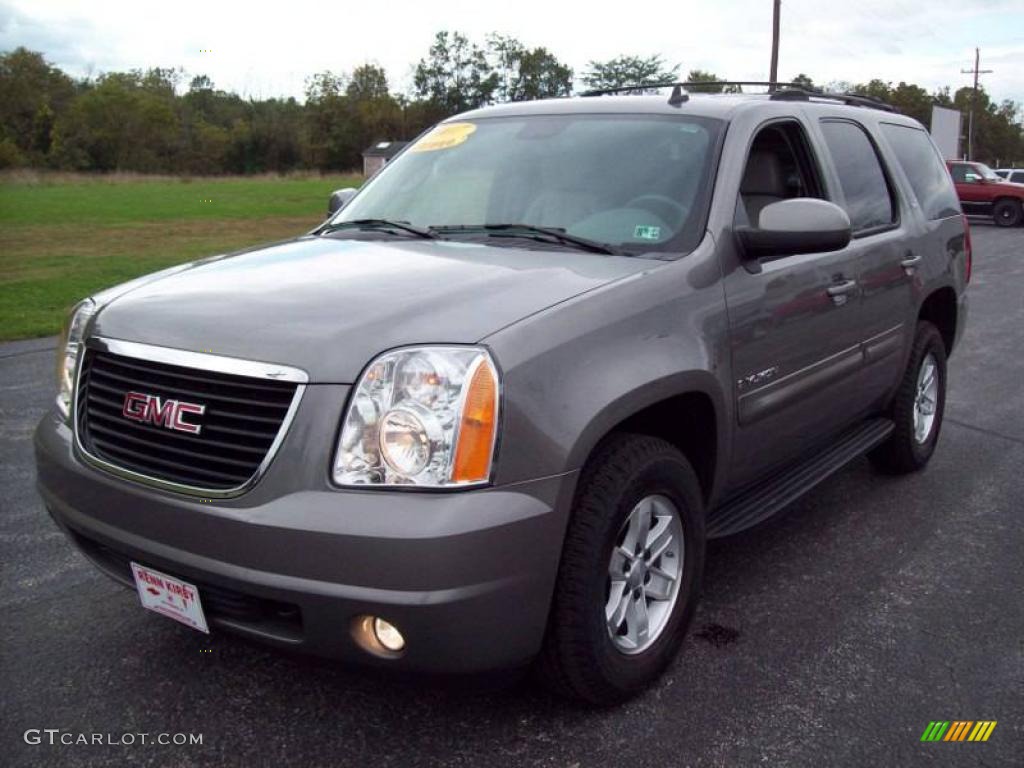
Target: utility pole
{"type": "Point", "coordinates": [974, 101]}
{"type": "Point", "coordinates": [773, 73]}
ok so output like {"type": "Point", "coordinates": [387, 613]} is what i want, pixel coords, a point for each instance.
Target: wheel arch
{"type": "Point", "coordinates": [1008, 198]}
{"type": "Point", "coordinates": [940, 309]}
{"type": "Point", "coordinates": [686, 410]}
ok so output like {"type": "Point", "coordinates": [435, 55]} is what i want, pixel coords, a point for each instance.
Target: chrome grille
{"type": "Point", "coordinates": [243, 418]}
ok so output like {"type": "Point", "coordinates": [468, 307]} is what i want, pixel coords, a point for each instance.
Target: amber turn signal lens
{"type": "Point", "coordinates": [476, 430]}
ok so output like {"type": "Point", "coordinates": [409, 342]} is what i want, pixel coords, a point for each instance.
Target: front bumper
{"type": "Point", "coordinates": [466, 576]}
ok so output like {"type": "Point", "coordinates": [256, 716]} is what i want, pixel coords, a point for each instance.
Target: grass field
{"type": "Point", "coordinates": [64, 237]}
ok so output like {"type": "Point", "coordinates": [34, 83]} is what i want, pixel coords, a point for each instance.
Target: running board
{"type": "Point", "coordinates": [763, 500]}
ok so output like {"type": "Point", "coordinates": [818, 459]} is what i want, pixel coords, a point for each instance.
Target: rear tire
{"type": "Point", "coordinates": [631, 482]}
{"type": "Point", "coordinates": [917, 408]}
{"type": "Point", "coordinates": [1007, 213]}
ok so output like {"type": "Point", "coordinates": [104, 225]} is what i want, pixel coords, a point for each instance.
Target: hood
{"type": "Point", "coordinates": [329, 305]}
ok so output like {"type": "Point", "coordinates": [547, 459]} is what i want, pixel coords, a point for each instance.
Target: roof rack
{"type": "Point", "coordinates": [682, 85]}
{"type": "Point", "coordinates": [779, 91]}
{"type": "Point", "coordinates": [792, 93]}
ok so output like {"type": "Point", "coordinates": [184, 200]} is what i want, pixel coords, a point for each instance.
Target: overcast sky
{"type": "Point", "coordinates": [266, 49]}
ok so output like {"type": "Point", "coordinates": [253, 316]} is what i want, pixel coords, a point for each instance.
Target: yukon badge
{"type": "Point", "coordinates": [760, 377]}
{"type": "Point", "coordinates": [166, 413]}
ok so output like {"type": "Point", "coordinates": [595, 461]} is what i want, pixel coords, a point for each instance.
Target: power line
{"type": "Point", "coordinates": [773, 73]}
{"type": "Point", "coordinates": [974, 100]}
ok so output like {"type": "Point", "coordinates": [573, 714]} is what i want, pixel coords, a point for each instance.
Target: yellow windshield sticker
{"type": "Point", "coordinates": [444, 136]}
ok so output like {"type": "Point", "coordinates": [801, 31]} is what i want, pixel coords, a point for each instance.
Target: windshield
{"type": "Point", "coordinates": [634, 182]}
{"type": "Point", "coordinates": [986, 172]}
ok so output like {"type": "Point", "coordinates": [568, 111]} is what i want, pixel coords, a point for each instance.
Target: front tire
{"type": "Point", "coordinates": [918, 407]}
{"type": "Point", "coordinates": [630, 572]}
{"type": "Point", "coordinates": [1007, 213]}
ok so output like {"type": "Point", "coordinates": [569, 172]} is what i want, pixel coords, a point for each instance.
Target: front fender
{"type": "Point", "coordinates": [642, 396]}
{"type": "Point", "coordinates": [576, 370]}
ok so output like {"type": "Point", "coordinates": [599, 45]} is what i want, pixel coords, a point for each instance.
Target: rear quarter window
{"type": "Point", "coordinates": [924, 169]}
{"type": "Point", "coordinates": [867, 197]}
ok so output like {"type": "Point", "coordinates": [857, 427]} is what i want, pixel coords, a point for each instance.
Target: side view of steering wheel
{"type": "Point", "coordinates": [664, 207]}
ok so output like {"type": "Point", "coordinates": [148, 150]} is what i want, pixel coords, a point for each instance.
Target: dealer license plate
{"type": "Point", "coordinates": [170, 597]}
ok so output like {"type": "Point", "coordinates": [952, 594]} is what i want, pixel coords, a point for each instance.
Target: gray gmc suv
{"type": "Point", "coordinates": [489, 413]}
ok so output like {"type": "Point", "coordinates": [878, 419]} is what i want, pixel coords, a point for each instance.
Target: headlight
{"type": "Point", "coordinates": [422, 416]}
{"type": "Point", "coordinates": [67, 353]}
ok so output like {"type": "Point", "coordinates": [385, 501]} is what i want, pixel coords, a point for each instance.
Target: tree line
{"type": "Point", "coordinates": [151, 121]}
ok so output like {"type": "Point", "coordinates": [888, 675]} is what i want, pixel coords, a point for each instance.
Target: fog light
{"type": "Point", "coordinates": [388, 635]}
{"type": "Point", "coordinates": [377, 636]}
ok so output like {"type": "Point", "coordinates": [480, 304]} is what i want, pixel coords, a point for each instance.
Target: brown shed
{"type": "Point", "coordinates": [376, 156]}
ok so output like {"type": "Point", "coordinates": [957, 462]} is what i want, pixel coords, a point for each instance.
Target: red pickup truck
{"type": "Point", "coordinates": [982, 192]}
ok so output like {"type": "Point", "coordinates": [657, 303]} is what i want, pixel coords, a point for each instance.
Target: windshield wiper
{"type": "Point", "coordinates": [371, 224]}
{"type": "Point", "coordinates": [543, 234]}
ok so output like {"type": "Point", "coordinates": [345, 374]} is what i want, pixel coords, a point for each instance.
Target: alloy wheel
{"type": "Point", "coordinates": [926, 399]}
{"type": "Point", "coordinates": [644, 573]}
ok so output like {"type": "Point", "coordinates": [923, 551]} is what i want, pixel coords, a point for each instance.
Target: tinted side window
{"type": "Point", "coordinates": [868, 200]}
{"type": "Point", "coordinates": [1017, 177]}
{"type": "Point", "coordinates": [959, 172]}
{"type": "Point", "coordinates": [925, 170]}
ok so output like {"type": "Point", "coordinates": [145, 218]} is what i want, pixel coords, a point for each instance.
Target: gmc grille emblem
{"type": "Point", "coordinates": [166, 413]}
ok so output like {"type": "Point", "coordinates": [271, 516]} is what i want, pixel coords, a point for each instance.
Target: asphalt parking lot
{"type": "Point", "coordinates": [831, 635]}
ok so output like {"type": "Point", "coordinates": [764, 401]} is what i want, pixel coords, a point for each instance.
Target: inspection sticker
{"type": "Point", "coordinates": [170, 597]}
{"type": "Point", "coordinates": [444, 136]}
{"type": "Point", "coordinates": [646, 232]}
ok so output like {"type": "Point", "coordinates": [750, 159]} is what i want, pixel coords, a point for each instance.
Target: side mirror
{"type": "Point", "coordinates": [972, 178]}
{"type": "Point", "coordinates": [339, 199]}
{"type": "Point", "coordinates": [799, 225]}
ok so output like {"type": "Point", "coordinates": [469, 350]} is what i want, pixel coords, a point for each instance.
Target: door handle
{"type": "Point", "coordinates": [840, 292]}
{"type": "Point", "coordinates": [912, 262]}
